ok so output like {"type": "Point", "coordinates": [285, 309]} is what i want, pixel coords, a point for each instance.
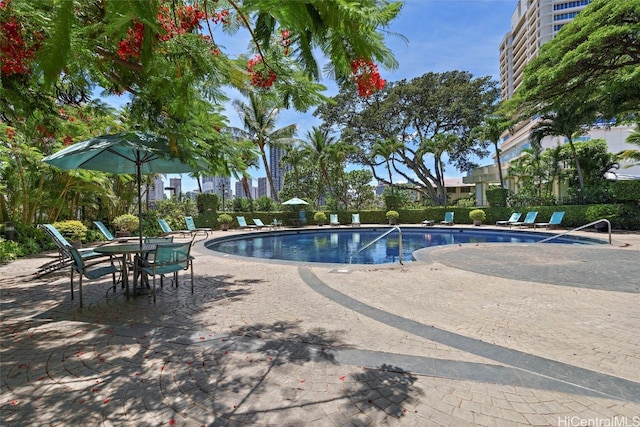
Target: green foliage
{"type": "Point", "coordinates": [8, 250]}
{"type": "Point", "coordinates": [497, 196]}
{"type": "Point", "coordinates": [319, 216]}
{"type": "Point", "coordinates": [224, 219]}
{"type": "Point", "coordinates": [589, 60]}
{"type": "Point", "coordinates": [442, 108]}
{"type": "Point", "coordinates": [392, 215]}
{"type": "Point", "coordinates": [626, 190]}
{"type": "Point", "coordinates": [265, 204]}
{"type": "Point", "coordinates": [596, 212]}
{"type": "Point", "coordinates": [207, 202]}
{"type": "Point", "coordinates": [72, 230]}
{"type": "Point", "coordinates": [477, 214]}
{"type": "Point", "coordinates": [126, 222]}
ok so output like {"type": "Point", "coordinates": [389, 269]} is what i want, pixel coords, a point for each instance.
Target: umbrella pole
{"type": "Point", "coordinates": [139, 199]}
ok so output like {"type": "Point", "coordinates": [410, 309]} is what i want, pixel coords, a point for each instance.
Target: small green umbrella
{"type": "Point", "coordinates": [134, 153]}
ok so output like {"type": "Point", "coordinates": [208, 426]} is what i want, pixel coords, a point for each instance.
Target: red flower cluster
{"type": "Point", "coordinates": [261, 75]}
{"type": "Point", "coordinates": [221, 18]}
{"type": "Point", "coordinates": [130, 46]}
{"type": "Point", "coordinates": [285, 41]}
{"type": "Point", "coordinates": [15, 53]}
{"type": "Point", "coordinates": [189, 18]}
{"type": "Point", "coordinates": [367, 77]}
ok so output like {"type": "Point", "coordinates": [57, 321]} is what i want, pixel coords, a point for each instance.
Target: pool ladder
{"type": "Point", "coordinates": [386, 233]}
{"type": "Point", "coordinates": [580, 228]}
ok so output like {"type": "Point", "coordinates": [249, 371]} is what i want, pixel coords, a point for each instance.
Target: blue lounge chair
{"type": "Point", "coordinates": [166, 229]}
{"type": "Point", "coordinates": [448, 219]}
{"type": "Point", "coordinates": [259, 224]}
{"type": "Point", "coordinates": [107, 234]}
{"type": "Point", "coordinates": [333, 220]}
{"type": "Point", "coordinates": [64, 258]}
{"type": "Point", "coordinates": [554, 221]}
{"type": "Point", "coordinates": [529, 220]}
{"type": "Point", "coordinates": [355, 220]}
{"type": "Point", "coordinates": [515, 217]}
{"type": "Point", "coordinates": [242, 223]}
{"type": "Point", "coordinates": [191, 226]}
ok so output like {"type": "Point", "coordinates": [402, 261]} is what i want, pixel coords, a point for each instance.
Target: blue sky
{"type": "Point", "coordinates": [443, 35]}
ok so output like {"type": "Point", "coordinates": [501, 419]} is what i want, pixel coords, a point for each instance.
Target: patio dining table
{"type": "Point", "coordinates": [127, 249]}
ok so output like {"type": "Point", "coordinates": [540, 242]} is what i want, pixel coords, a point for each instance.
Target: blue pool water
{"type": "Point", "coordinates": [339, 245]}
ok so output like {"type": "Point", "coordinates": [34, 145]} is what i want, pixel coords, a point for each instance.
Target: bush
{"type": "Point", "coordinates": [8, 250]}
{"type": "Point", "coordinates": [72, 230]}
{"type": "Point", "coordinates": [497, 196]}
{"type": "Point", "coordinates": [477, 214]}
{"type": "Point", "coordinates": [392, 215]}
{"type": "Point", "coordinates": [624, 191]}
{"type": "Point", "coordinates": [126, 222]}
{"type": "Point", "coordinates": [319, 216]}
{"type": "Point", "coordinates": [596, 212]}
{"type": "Point", "coordinates": [224, 219]}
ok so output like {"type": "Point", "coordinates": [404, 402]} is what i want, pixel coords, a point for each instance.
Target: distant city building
{"type": "Point", "coordinates": [277, 172]}
{"type": "Point", "coordinates": [533, 23]}
{"type": "Point", "coordinates": [240, 190]}
{"type": "Point", "coordinates": [220, 185]}
{"type": "Point", "coordinates": [155, 191]}
{"type": "Point", "coordinates": [263, 187]}
{"type": "Point", "coordinates": [176, 185]}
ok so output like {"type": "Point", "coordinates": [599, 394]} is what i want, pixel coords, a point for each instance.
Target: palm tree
{"type": "Point", "coordinates": [491, 130]}
{"type": "Point", "coordinates": [294, 157]}
{"type": "Point", "coordinates": [566, 122]}
{"type": "Point", "coordinates": [318, 145]}
{"type": "Point", "coordinates": [386, 149]}
{"type": "Point", "coordinates": [632, 155]}
{"type": "Point", "coordinates": [259, 119]}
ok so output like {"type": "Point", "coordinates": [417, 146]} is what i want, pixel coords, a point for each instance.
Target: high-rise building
{"type": "Point", "coordinates": [220, 185]}
{"type": "Point", "coordinates": [155, 191]}
{"type": "Point", "coordinates": [277, 172]}
{"type": "Point", "coordinates": [175, 185]}
{"type": "Point", "coordinates": [263, 187]}
{"type": "Point", "coordinates": [533, 23]}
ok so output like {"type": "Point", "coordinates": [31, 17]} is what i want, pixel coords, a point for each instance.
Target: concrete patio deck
{"type": "Point", "coordinates": [478, 334]}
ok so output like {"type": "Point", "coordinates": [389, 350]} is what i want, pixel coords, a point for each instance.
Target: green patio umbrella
{"type": "Point", "coordinates": [133, 152]}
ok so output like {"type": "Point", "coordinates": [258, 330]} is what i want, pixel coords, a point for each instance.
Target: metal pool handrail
{"type": "Point", "coordinates": [580, 228]}
{"type": "Point", "coordinates": [395, 227]}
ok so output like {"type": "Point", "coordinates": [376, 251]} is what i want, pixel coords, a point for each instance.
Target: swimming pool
{"type": "Point", "coordinates": [341, 246]}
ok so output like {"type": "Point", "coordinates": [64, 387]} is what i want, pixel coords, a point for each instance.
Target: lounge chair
{"type": "Point", "coordinates": [529, 220]}
{"type": "Point", "coordinates": [554, 221]}
{"type": "Point", "coordinates": [110, 237]}
{"type": "Point", "coordinates": [63, 259]}
{"type": "Point", "coordinates": [333, 220]}
{"type": "Point", "coordinates": [259, 224]}
{"type": "Point", "coordinates": [515, 217]}
{"type": "Point", "coordinates": [191, 226]}
{"type": "Point", "coordinates": [448, 219]}
{"type": "Point", "coordinates": [166, 229]}
{"type": "Point", "coordinates": [355, 220]}
{"type": "Point", "coordinates": [428, 222]}
{"type": "Point", "coordinates": [242, 223]}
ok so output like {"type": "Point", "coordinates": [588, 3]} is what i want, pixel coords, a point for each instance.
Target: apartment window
{"type": "Point", "coordinates": [571, 4]}
{"type": "Point", "coordinates": [563, 16]}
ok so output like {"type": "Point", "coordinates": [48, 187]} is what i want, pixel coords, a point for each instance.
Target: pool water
{"type": "Point", "coordinates": [342, 246]}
